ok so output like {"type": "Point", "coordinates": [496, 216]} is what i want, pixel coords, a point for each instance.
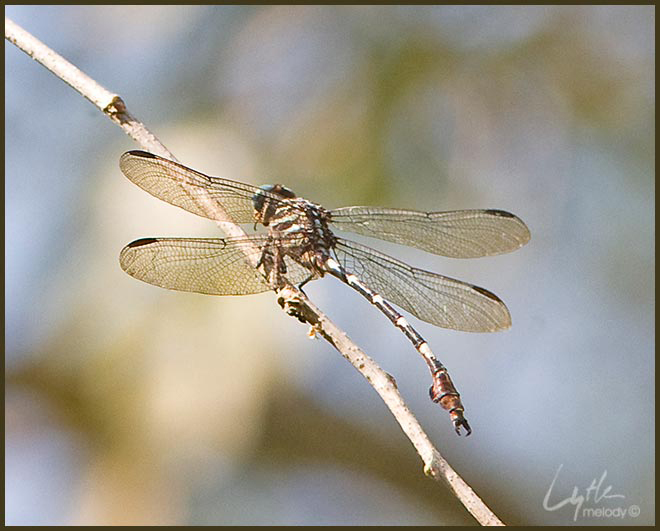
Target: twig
{"type": "Point", "coordinates": [292, 300]}
{"type": "Point", "coordinates": [110, 104]}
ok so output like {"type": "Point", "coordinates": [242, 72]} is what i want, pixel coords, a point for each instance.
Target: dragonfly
{"type": "Point", "coordinates": [297, 245]}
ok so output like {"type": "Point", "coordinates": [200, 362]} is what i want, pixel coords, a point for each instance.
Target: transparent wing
{"type": "Point", "coordinates": [189, 189]}
{"type": "Point", "coordinates": [211, 266]}
{"type": "Point", "coordinates": [433, 298]}
{"type": "Point", "coordinates": [457, 234]}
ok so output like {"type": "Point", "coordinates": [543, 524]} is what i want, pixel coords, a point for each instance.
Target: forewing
{"type": "Point", "coordinates": [431, 297]}
{"type": "Point", "coordinates": [457, 234]}
{"type": "Point", "coordinates": [191, 190]}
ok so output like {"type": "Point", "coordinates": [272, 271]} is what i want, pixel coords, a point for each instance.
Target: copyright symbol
{"type": "Point", "coordinates": [634, 511]}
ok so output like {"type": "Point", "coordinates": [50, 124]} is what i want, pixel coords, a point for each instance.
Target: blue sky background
{"type": "Point", "coordinates": [129, 404]}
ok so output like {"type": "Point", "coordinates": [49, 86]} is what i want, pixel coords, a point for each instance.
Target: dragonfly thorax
{"type": "Point", "coordinates": [296, 224]}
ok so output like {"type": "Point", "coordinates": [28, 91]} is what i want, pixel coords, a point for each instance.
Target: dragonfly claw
{"type": "Point", "coordinates": [459, 420]}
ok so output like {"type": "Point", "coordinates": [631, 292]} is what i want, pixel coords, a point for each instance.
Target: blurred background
{"type": "Point", "coordinates": [129, 404]}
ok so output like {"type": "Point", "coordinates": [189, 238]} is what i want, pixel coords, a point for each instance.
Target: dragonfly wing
{"type": "Point", "coordinates": [211, 266]}
{"type": "Point", "coordinates": [457, 234]}
{"type": "Point", "coordinates": [431, 297]}
{"type": "Point", "coordinates": [191, 190]}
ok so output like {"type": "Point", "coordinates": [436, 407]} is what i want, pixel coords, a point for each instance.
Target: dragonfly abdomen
{"type": "Point", "coordinates": [442, 390]}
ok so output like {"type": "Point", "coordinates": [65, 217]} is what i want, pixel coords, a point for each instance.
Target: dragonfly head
{"type": "Point", "coordinates": [264, 205]}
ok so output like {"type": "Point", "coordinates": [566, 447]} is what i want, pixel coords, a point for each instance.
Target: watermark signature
{"type": "Point", "coordinates": [591, 503]}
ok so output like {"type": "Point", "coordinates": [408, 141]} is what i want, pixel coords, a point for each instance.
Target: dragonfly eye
{"type": "Point", "coordinates": [278, 189]}
{"type": "Point", "coordinates": [261, 200]}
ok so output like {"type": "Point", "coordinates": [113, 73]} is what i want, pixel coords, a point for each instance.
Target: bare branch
{"type": "Point", "coordinates": [292, 300]}
{"type": "Point", "coordinates": [110, 104]}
